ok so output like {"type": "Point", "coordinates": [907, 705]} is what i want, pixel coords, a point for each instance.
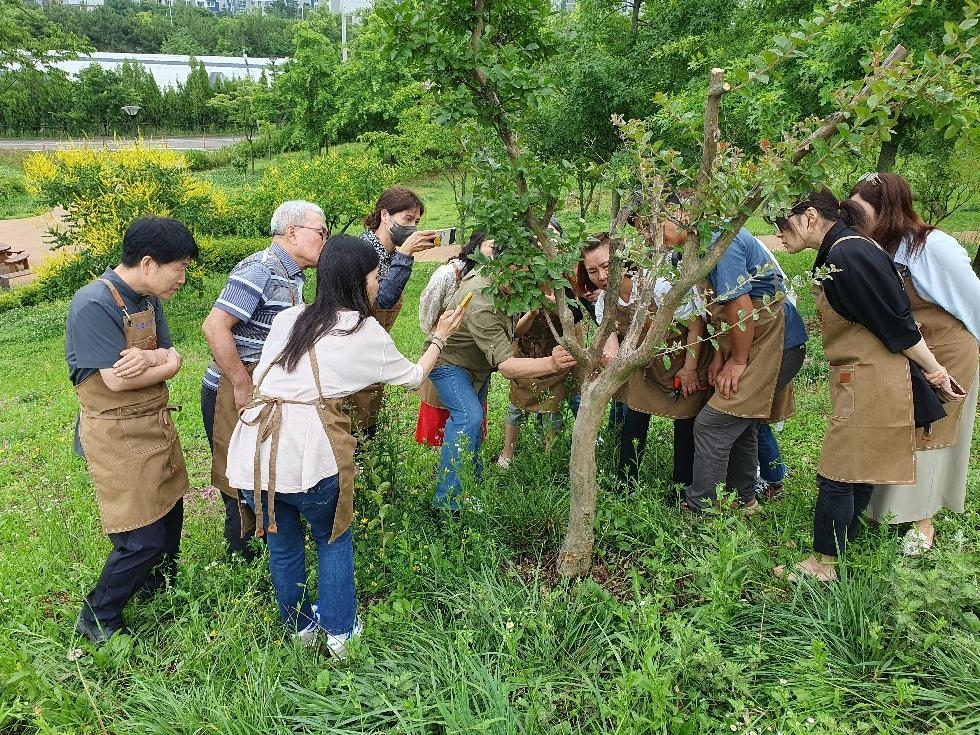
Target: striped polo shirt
{"type": "Point", "coordinates": [258, 288]}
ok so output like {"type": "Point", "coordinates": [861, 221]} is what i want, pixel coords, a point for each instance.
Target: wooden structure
{"type": "Point", "coordinates": [14, 267]}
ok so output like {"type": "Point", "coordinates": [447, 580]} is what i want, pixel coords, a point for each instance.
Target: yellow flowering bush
{"type": "Point", "coordinates": [102, 191]}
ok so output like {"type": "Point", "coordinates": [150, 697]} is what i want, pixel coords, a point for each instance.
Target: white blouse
{"type": "Point", "coordinates": [943, 275]}
{"type": "Point", "coordinates": [347, 364]}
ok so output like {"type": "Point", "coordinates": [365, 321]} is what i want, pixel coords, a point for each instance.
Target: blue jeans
{"type": "Point", "coordinates": [337, 600]}
{"type": "Point", "coordinates": [464, 430]}
{"type": "Point", "coordinates": [771, 466]}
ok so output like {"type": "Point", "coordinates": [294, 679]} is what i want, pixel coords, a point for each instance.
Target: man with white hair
{"type": "Point", "coordinates": [258, 288]}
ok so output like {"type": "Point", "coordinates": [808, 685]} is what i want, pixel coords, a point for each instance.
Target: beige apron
{"type": "Point", "coordinates": [544, 394]}
{"type": "Point", "coordinates": [871, 435]}
{"type": "Point", "coordinates": [130, 443]}
{"type": "Point", "coordinates": [225, 418]}
{"type": "Point", "coordinates": [651, 390]}
{"type": "Point", "coordinates": [955, 349]}
{"type": "Point", "coordinates": [757, 397]}
{"type": "Point", "coordinates": [365, 405]}
{"type": "Point", "coordinates": [336, 425]}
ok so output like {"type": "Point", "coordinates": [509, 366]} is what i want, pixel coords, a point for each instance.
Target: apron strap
{"type": "Point", "coordinates": [345, 467]}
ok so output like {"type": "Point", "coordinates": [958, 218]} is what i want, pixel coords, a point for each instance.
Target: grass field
{"type": "Point", "coordinates": [680, 629]}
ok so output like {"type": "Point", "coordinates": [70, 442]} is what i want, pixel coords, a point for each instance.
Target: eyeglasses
{"type": "Point", "coordinates": [324, 232]}
{"type": "Point", "coordinates": [872, 178]}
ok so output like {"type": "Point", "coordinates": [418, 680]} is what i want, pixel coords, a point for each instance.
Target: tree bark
{"type": "Point", "coordinates": [635, 20]}
{"type": "Point", "coordinates": [889, 148]}
{"type": "Point", "coordinates": [575, 557]}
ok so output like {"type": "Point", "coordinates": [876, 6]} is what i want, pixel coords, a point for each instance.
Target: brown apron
{"type": "Point", "coordinates": [225, 418]}
{"type": "Point", "coordinates": [651, 390]}
{"type": "Point", "coordinates": [365, 405]}
{"type": "Point", "coordinates": [757, 397]}
{"type": "Point", "coordinates": [538, 395]}
{"type": "Point", "coordinates": [871, 434]}
{"type": "Point", "coordinates": [130, 443]}
{"type": "Point", "coordinates": [336, 425]}
{"type": "Point", "coordinates": [955, 349]}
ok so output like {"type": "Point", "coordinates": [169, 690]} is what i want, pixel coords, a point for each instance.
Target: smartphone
{"type": "Point", "coordinates": [466, 300]}
{"type": "Point", "coordinates": [445, 236]}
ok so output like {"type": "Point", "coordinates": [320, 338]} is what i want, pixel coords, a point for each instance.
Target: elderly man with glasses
{"type": "Point", "coordinates": [258, 288]}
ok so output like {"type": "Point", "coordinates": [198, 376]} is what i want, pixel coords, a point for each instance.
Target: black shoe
{"type": "Point", "coordinates": [97, 633]}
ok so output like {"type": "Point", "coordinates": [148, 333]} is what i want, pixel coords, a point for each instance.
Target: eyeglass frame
{"type": "Point", "coordinates": [324, 231]}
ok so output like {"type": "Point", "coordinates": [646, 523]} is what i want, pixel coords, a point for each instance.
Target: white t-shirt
{"type": "Point", "coordinates": [347, 364]}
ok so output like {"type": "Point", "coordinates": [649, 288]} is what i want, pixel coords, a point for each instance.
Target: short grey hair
{"type": "Point", "coordinates": [293, 212]}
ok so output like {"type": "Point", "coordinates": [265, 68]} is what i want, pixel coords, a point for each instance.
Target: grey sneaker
{"type": "Point", "coordinates": [97, 633]}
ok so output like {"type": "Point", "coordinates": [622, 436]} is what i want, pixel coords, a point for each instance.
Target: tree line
{"type": "Point", "coordinates": [640, 59]}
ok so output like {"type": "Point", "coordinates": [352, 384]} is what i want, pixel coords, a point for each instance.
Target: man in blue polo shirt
{"type": "Point", "coordinates": [258, 288]}
{"type": "Point", "coordinates": [761, 351]}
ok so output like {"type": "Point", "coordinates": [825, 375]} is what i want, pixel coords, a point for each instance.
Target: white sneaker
{"type": "Point", "coordinates": [338, 643]}
{"type": "Point", "coordinates": [504, 462]}
{"type": "Point", "coordinates": [307, 636]}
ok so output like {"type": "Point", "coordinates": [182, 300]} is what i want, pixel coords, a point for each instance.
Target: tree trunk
{"type": "Point", "coordinates": [635, 20]}
{"type": "Point", "coordinates": [889, 148]}
{"type": "Point", "coordinates": [575, 557]}
{"type": "Point", "coordinates": [615, 204]}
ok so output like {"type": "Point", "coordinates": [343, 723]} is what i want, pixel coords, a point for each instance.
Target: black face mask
{"type": "Point", "coordinates": [400, 233]}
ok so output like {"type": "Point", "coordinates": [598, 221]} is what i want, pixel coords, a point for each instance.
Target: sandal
{"type": "Point", "coordinates": [802, 570]}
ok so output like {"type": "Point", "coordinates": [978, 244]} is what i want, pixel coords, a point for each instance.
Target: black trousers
{"type": "Point", "coordinates": [837, 516]}
{"type": "Point", "coordinates": [633, 441]}
{"type": "Point", "coordinates": [141, 560]}
{"type": "Point", "coordinates": [234, 542]}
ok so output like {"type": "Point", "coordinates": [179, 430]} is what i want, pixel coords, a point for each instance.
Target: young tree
{"type": "Point", "coordinates": [242, 103]}
{"type": "Point", "coordinates": [27, 38]}
{"type": "Point", "coordinates": [486, 58]}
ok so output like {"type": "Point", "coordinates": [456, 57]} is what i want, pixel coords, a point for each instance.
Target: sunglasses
{"type": "Point", "coordinates": [872, 178]}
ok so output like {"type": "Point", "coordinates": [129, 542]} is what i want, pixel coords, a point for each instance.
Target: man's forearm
{"type": "Point", "coordinates": [741, 340]}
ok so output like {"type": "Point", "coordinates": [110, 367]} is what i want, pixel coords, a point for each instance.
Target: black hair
{"type": "Point", "coordinates": [827, 206]}
{"type": "Point", "coordinates": [554, 224]}
{"type": "Point", "coordinates": [469, 249]}
{"type": "Point", "coordinates": [164, 239]}
{"type": "Point", "coordinates": [341, 284]}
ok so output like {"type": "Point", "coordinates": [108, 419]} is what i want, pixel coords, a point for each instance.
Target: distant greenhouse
{"type": "Point", "coordinates": [169, 69]}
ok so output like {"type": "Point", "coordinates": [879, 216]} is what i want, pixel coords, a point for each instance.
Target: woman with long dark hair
{"type": "Point", "coordinates": [879, 365]}
{"type": "Point", "coordinates": [945, 296]}
{"type": "Point", "coordinates": [292, 452]}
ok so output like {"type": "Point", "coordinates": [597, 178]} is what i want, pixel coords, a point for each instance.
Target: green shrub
{"type": "Point", "coordinates": [220, 255]}
{"type": "Point", "coordinates": [345, 185]}
{"type": "Point", "coordinates": [196, 160]}
{"type": "Point", "coordinates": [11, 186]}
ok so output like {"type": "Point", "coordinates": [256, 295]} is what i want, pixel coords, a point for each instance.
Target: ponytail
{"type": "Point", "coordinates": [830, 208]}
